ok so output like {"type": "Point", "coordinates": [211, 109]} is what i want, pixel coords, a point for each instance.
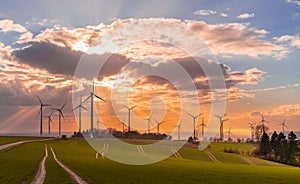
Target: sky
{"type": "Point", "coordinates": [255, 44]}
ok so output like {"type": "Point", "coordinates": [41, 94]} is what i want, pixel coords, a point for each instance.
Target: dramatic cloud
{"type": "Point", "coordinates": [288, 110]}
{"type": "Point", "coordinates": [236, 39]}
{"type": "Point", "coordinates": [245, 16]}
{"type": "Point", "coordinates": [205, 12]}
{"type": "Point", "coordinates": [9, 25]}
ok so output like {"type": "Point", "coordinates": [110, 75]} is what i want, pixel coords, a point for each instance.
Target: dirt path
{"type": "Point", "coordinates": [250, 162]}
{"type": "Point", "coordinates": [76, 178]}
{"type": "Point", "coordinates": [211, 156]}
{"type": "Point", "coordinates": [41, 174]}
{"type": "Point", "coordinates": [177, 155]}
{"type": "Point", "coordinates": [21, 142]}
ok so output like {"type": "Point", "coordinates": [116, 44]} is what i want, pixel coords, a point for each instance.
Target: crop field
{"type": "Point", "coordinates": [20, 163]}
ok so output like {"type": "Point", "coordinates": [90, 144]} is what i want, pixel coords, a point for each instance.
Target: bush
{"type": "Point", "coordinates": [230, 150]}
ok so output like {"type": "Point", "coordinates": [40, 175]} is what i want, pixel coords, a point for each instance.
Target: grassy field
{"type": "Point", "coordinates": [195, 168]}
{"type": "Point", "coordinates": [7, 140]}
{"type": "Point", "coordinates": [19, 164]}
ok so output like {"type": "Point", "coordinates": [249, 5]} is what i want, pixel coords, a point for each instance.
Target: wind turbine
{"type": "Point", "coordinates": [60, 114]}
{"type": "Point", "coordinates": [202, 125]}
{"type": "Point", "coordinates": [158, 123]}
{"type": "Point", "coordinates": [91, 96]}
{"type": "Point", "coordinates": [178, 129]}
{"type": "Point", "coordinates": [252, 129]}
{"type": "Point", "coordinates": [263, 122]}
{"type": "Point", "coordinates": [80, 106]}
{"type": "Point", "coordinates": [41, 113]}
{"type": "Point", "coordinates": [123, 125]}
{"type": "Point", "coordinates": [194, 118]}
{"type": "Point", "coordinates": [283, 125]}
{"type": "Point", "coordinates": [229, 133]}
{"type": "Point", "coordinates": [221, 125]}
{"type": "Point", "coordinates": [149, 120]}
{"type": "Point", "coordinates": [49, 121]}
{"type": "Point", "coordinates": [129, 109]}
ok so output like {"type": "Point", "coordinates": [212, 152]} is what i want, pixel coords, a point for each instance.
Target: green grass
{"type": "Point", "coordinates": [7, 140]}
{"type": "Point", "coordinates": [241, 147]}
{"type": "Point", "coordinates": [20, 163]}
{"type": "Point", "coordinates": [80, 157]}
{"type": "Point", "coordinates": [55, 174]}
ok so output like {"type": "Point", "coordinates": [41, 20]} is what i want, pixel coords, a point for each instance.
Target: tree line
{"type": "Point", "coordinates": [280, 148]}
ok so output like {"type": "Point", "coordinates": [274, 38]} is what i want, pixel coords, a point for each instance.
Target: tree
{"type": "Point", "coordinates": [275, 145]}
{"type": "Point", "coordinates": [258, 131]}
{"type": "Point", "coordinates": [282, 147]}
{"type": "Point", "coordinates": [265, 147]}
{"type": "Point", "coordinates": [292, 149]}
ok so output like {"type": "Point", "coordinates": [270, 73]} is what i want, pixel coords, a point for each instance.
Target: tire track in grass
{"type": "Point", "coordinates": [211, 156]}
{"type": "Point", "coordinates": [249, 161]}
{"type": "Point", "coordinates": [177, 155]}
{"type": "Point", "coordinates": [41, 174]}
{"type": "Point", "coordinates": [76, 178]}
{"type": "Point", "coordinates": [104, 150]}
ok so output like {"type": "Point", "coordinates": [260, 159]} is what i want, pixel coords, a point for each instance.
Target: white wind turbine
{"type": "Point", "coordinates": [283, 124]}
{"type": "Point", "coordinates": [91, 96]}
{"type": "Point", "coordinates": [194, 118]}
{"type": "Point", "coordinates": [129, 110]}
{"type": "Point", "coordinates": [158, 124]}
{"type": "Point", "coordinates": [60, 114]}
{"type": "Point", "coordinates": [79, 107]}
{"type": "Point", "coordinates": [221, 125]}
{"type": "Point", "coordinates": [41, 113]}
{"type": "Point", "coordinates": [149, 121]}
{"type": "Point", "coordinates": [49, 122]}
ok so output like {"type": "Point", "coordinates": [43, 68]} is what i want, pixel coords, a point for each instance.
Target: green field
{"type": "Point", "coordinates": [20, 164]}
{"type": "Point", "coordinates": [7, 140]}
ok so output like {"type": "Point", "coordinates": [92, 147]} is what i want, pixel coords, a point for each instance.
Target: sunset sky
{"type": "Point", "coordinates": [256, 44]}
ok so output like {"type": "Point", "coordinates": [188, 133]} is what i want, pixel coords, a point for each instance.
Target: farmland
{"type": "Point", "coordinates": [20, 163]}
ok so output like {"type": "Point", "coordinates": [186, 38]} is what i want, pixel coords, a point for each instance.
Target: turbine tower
{"type": "Point", "coordinates": [194, 118]}
{"type": "Point", "coordinates": [263, 121]}
{"type": "Point", "coordinates": [41, 113]}
{"type": "Point", "coordinates": [49, 121]}
{"type": "Point", "coordinates": [283, 124]}
{"type": "Point", "coordinates": [60, 114]}
{"type": "Point", "coordinates": [91, 96]}
{"type": "Point", "coordinates": [202, 125]}
{"type": "Point", "coordinates": [79, 107]}
{"type": "Point", "coordinates": [252, 131]}
{"type": "Point", "coordinates": [123, 126]}
{"type": "Point", "coordinates": [178, 129]}
{"type": "Point", "coordinates": [229, 133]}
{"type": "Point", "coordinates": [129, 110]}
{"type": "Point", "coordinates": [149, 120]}
{"type": "Point", "coordinates": [158, 123]}
{"type": "Point", "coordinates": [221, 125]}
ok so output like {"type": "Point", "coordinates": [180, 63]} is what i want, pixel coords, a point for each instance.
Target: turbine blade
{"type": "Point", "coordinates": [126, 107]}
{"type": "Point", "coordinates": [84, 108]}
{"type": "Point", "coordinates": [133, 107]}
{"type": "Point", "coordinates": [86, 99]}
{"type": "Point", "coordinates": [218, 116]}
{"type": "Point", "coordinates": [189, 114]}
{"type": "Point", "coordinates": [63, 105]}
{"type": "Point", "coordinates": [39, 100]}
{"type": "Point", "coordinates": [200, 114]}
{"type": "Point", "coordinates": [99, 98]}
{"type": "Point", "coordinates": [76, 108]}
